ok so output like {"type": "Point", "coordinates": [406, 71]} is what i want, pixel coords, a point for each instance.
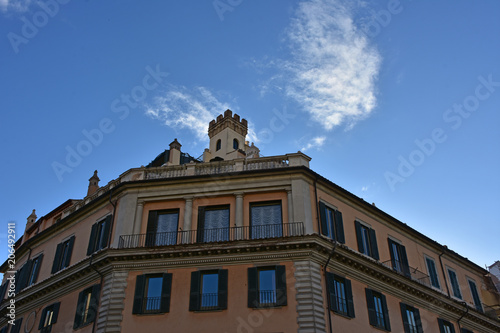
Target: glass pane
{"type": "Point", "coordinates": [396, 263]}
{"type": "Point", "coordinates": [216, 225]}
{"type": "Point", "coordinates": [379, 310]}
{"type": "Point", "coordinates": [266, 221]}
{"type": "Point", "coordinates": [267, 286]}
{"type": "Point", "coordinates": [166, 232]}
{"type": "Point", "coordinates": [153, 293]}
{"type": "Point", "coordinates": [209, 290]}
{"type": "Point", "coordinates": [341, 298]}
{"type": "Point", "coordinates": [365, 240]}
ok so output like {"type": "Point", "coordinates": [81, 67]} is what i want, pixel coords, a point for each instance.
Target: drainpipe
{"type": "Point", "coordinates": [112, 219]}
{"type": "Point", "coordinates": [463, 315]}
{"type": "Point", "coordinates": [326, 284]}
{"type": "Point", "coordinates": [444, 274]}
{"type": "Point", "coordinates": [317, 206]}
{"type": "Point", "coordinates": [102, 282]}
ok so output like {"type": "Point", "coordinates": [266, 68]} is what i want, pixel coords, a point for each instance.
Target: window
{"type": "Point", "coordinates": [267, 287]}
{"type": "Point", "coordinates": [445, 326]}
{"type": "Point", "coordinates": [266, 220]}
{"type": "Point", "coordinates": [86, 308]}
{"type": "Point", "coordinates": [377, 309]}
{"type": "Point", "coordinates": [411, 319]}
{"type": "Point", "coordinates": [208, 290]}
{"type": "Point", "coordinates": [213, 223]}
{"type": "Point", "coordinates": [236, 144]}
{"type": "Point", "coordinates": [16, 328]}
{"type": "Point", "coordinates": [455, 287]}
{"type": "Point", "coordinates": [28, 274]}
{"type": "Point", "coordinates": [475, 295]}
{"type": "Point", "coordinates": [162, 227]}
{"type": "Point", "coordinates": [63, 254]}
{"type": "Point", "coordinates": [99, 235]}
{"type": "Point", "coordinates": [4, 329]}
{"type": "Point", "coordinates": [35, 268]}
{"type": "Point", "coordinates": [398, 258]}
{"type": "Point", "coordinates": [331, 223]}
{"type": "Point", "coordinates": [340, 293]}
{"type": "Point", "coordinates": [3, 289]}
{"type": "Point", "coordinates": [218, 145]}
{"type": "Point", "coordinates": [367, 240]}
{"type": "Point", "coordinates": [464, 330]}
{"type": "Point", "coordinates": [49, 317]}
{"type": "Point", "coordinates": [431, 269]}
{"type": "Point", "coordinates": [152, 293]}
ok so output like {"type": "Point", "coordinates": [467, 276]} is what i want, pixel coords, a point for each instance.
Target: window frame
{"type": "Point", "coordinates": [54, 312]}
{"type": "Point", "coordinates": [333, 280]}
{"type": "Point", "coordinates": [62, 257]}
{"type": "Point", "coordinates": [141, 292]}
{"type": "Point", "coordinates": [275, 232]}
{"type": "Point", "coordinates": [445, 323]}
{"type": "Point", "coordinates": [152, 228]}
{"type": "Point", "coordinates": [201, 234]}
{"type": "Point", "coordinates": [101, 228]}
{"type": "Point", "coordinates": [375, 317]}
{"type": "Point", "coordinates": [455, 284]}
{"type": "Point", "coordinates": [372, 239]}
{"type": "Point", "coordinates": [477, 306]}
{"type": "Point", "coordinates": [401, 265]}
{"type": "Point", "coordinates": [86, 308]}
{"type": "Point", "coordinates": [431, 260]}
{"type": "Point", "coordinates": [236, 144]}
{"type": "Point", "coordinates": [218, 145]}
{"type": "Point", "coordinates": [332, 228]}
{"type": "Point", "coordinates": [405, 308]}
{"type": "Point", "coordinates": [196, 290]}
{"type": "Point", "coordinates": [254, 292]}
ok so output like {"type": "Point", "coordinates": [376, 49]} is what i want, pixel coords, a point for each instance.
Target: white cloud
{"type": "Point", "coordinates": [316, 142]}
{"type": "Point", "coordinates": [333, 66]}
{"type": "Point", "coordinates": [20, 6]}
{"type": "Point", "coordinates": [185, 109]}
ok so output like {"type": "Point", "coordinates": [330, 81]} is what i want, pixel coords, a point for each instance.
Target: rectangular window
{"type": "Point", "coordinates": [267, 286]}
{"type": "Point", "coordinates": [455, 286]}
{"type": "Point", "coordinates": [340, 292]}
{"type": "Point", "coordinates": [332, 225]}
{"type": "Point", "coordinates": [152, 293]}
{"type": "Point", "coordinates": [445, 326]}
{"type": "Point", "coordinates": [266, 220]}
{"type": "Point", "coordinates": [16, 328]}
{"type": "Point", "coordinates": [411, 319]}
{"type": "Point", "coordinates": [49, 317]}
{"type": "Point", "coordinates": [208, 290]}
{"type": "Point", "coordinates": [35, 268]}
{"type": "Point", "coordinates": [162, 227]}
{"type": "Point", "coordinates": [99, 235]}
{"type": "Point", "coordinates": [398, 258]}
{"type": "Point", "coordinates": [367, 240]}
{"type": "Point", "coordinates": [63, 254]}
{"type": "Point", "coordinates": [213, 224]}
{"type": "Point", "coordinates": [475, 295]}
{"type": "Point", "coordinates": [86, 308]}
{"type": "Point", "coordinates": [377, 309]}
{"type": "Point", "coordinates": [431, 269]}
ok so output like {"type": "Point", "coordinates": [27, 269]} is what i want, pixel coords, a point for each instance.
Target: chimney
{"type": "Point", "coordinates": [174, 157]}
{"type": "Point", "coordinates": [93, 184]}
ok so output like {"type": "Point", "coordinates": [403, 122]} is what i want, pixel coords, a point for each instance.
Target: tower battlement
{"type": "Point", "coordinates": [228, 120]}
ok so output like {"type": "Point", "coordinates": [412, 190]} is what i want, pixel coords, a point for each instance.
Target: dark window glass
{"type": "Point", "coordinates": [162, 227]}
{"type": "Point", "coordinates": [265, 220]}
{"type": "Point", "coordinates": [152, 293]}
{"type": "Point", "coordinates": [86, 309]}
{"type": "Point", "coordinates": [378, 313]}
{"type": "Point", "coordinates": [208, 290]}
{"type": "Point", "coordinates": [411, 319]}
{"type": "Point", "coordinates": [445, 326]}
{"type": "Point", "coordinates": [236, 144]}
{"type": "Point", "coordinates": [398, 258]}
{"type": "Point", "coordinates": [454, 284]}
{"type": "Point", "coordinates": [267, 287]}
{"type": "Point", "coordinates": [431, 269]}
{"type": "Point", "coordinates": [63, 254]}
{"type": "Point", "coordinates": [35, 268]}
{"type": "Point", "coordinates": [218, 145]}
{"type": "Point", "coordinates": [48, 318]}
{"type": "Point", "coordinates": [213, 224]}
{"type": "Point", "coordinates": [99, 235]}
{"type": "Point", "coordinates": [332, 225]}
{"type": "Point", "coordinates": [340, 291]}
{"type": "Point", "coordinates": [367, 240]}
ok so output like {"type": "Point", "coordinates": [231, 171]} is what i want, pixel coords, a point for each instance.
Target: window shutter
{"type": "Point", "coordinates": [373, 245]}
{"type": "Point", "coordinates": [350, 301]}
{"type": "Point", "coordinates": [94, 302]}
{"type": "Point", "coordinates": [391, 251]}
{"type": "Point", "coordinates": [42, 318]}
{"type": "Point", "coordinates": [322, 215]}
{"type": "Point", "coordinates": [281, 298]}
{"type": "Point", "coordinates": [107, 228]}
{"type": "Point", "coordinates": [441, 325]}
{"type": "Point", "coordinates": [93, 236]}
{"type": "Point", "coordinates": [339, 227]}
{"type": "Point", "coordinates": [55, 308]}
{"type": "Point", "coordinates": [194, 298]}
{"type": "Point", "coordinates": [79, 310]}
{"type": "Point", "coordinates": [223, 280]}
{"type": "Point", "coordinates": [406, 325]}
{"type": "Point", "coordinates": [151, 228]}
{"type": "Point", "coordinates": [17, 326]}
{"type": "Point", "coordinates": [372, 315]}
{"type": "Point", "coordinates": [418, 322]}
{"type": "Point", "coordinates": [139, 294]}
{"type": "Point", "coordinates": [253, 289]}
{"type": "Point", "coordinates": [24, 272]}
{"type": "Point", "coordinates": [404, 261]}
{"type": "Point", "coordinates": [70, 251]}
{"type": "Point", "coordinates": [57, 258]}
{"type": "Point", "coordinates": [166, 290]}
{"type": "Point", "coordinates": [386, 313]}
{"type": "Point", "coordinates": [330, 281]}
{"type": "Point", "coordinates": [3, 289]}
{"type": "Point", "coordinates": [37, 269]}
{"type": "Point", "coordinates": [201, 224]}
{"type": "Point", "coordinates": [359, 237]}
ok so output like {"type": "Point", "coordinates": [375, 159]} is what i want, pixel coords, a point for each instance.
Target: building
{"type": "Point", "coordinates": [236, 243]}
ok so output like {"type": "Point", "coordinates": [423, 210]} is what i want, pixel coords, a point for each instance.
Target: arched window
{"type": "Point", "coordinates": [218, 145]}
{"type": "Point", "coordinates": [236, 144]}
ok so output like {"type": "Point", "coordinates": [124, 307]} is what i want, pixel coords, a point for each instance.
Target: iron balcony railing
{"type": "Point", "coordinates": [209, 301]}
{"type": "Point", "coordinates": [408, 271]}
{"type": "Point", "coordinates": [211, 235]}
{"type": "Point", "coordinates": [151, 304]}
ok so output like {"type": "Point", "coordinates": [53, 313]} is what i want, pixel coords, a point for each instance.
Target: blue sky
{"type": "Point", "coordinates": [396, 101]}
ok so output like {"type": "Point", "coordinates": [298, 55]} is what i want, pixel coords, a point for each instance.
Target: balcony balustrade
{"type": "Point", "coordinates": [408, 271]}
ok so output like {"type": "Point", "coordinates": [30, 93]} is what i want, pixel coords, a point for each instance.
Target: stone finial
{"type": "Point", "coordinates": [93, 184]}
{"type": "Point", "coordinates": [32, 217]}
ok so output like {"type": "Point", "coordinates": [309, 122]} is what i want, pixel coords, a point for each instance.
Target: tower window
{"type": "Point", "coordinates": [236, 144]}
{"type": "Point", "coordinates": [218, 145]}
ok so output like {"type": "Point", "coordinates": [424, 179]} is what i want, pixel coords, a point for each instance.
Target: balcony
{"type": "Point", "coordinates": [211, 235]}
{"type": "Point", "coordinates": [408, 271]}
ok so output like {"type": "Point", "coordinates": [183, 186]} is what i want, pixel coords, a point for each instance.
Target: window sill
{"type": "Point", "coordinates": [380, 328]}
{"type": "Point", "coordinates": [341, 314]}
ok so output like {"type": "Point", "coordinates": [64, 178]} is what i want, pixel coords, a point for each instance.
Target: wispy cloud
{"type": "Point", "coordinates": [19, 6]}
{"type": "Point", "coordinates": [316, 142]}
{"type": "Point", "coordinates": [333, 67]}
{"type": "Point", "coordinates": [182, 108]}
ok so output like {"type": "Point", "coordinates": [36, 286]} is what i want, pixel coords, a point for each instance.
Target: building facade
{"type": "Point", "coordinates": [235, 243]}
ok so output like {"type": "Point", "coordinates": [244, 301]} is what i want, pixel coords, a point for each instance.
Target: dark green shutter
{"type": "Point", "coordinates": [253, 288]}
{"type": "Point", "coordinates": [194, 296]}
{"type": "Point", "coordinates": [94, 303]}
{"type": "Point", "coordinates": [339, 228]}
{"type": "Point", "coordinates": [330, 281]}
{"type": "Point", "coordinates": [350, 301]}
{"type": "Point", "coordinates": [373, 244]}
{"type": "Point", "coordinates": [404, 261]}
{"type": "Point", "coordinates": [92, 240]}
{"type": "Point", "coordinates": [79, 310]}
{"type": "Point", "coordinates": [107, 228]}
{"type": "Point", "coordinates": [441, 325]}
{"type": "Point", "coordinates": [152, 228]}
{"type": "Point", "coordinates": [55, 309]}
{"type": "Point", "coordinates": [359, 237]}
{"type": "Point", "coordinates": [37, 269]}
{"type": "Point", "coordinates": [24, 273]}
{"type": "Point", "coordinates": [418, 322]}
{"type": "Point", "coordinates": [140, 285]}
{"type": "Point", "coordinates": [70, 250]}
{"type": "Point", "coordinates": [223, 281]}
{"type": "Point", "coordinates": [3, 289]}
{"type": "Point", "coordinates": [372, 315]}
{"type": "Point", "coordinates": [17, 326]}
{"type": "Point", "coordinates": [57, 258]}
{"type": "Point", "coordinates": [386, 313]}
{"type": "Point", "coordinates": [166, 290]}
{"type": "Point", "coordinates": [44, 314]}
{"type": "Point", "coordinates": [322, 215]}
{"type": "Point", "coordinates": [281, 297]}
{"type": "Point", "coordinates": [404, 315]}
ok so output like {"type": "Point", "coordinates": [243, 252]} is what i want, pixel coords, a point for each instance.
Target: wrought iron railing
{"type": "Point", "coordinates": [151, 304]}
{"type": "Point", "coordinates": [267, 297]}
{"type": "Point", "coordinates": [212, 235]}
{"type": "Point", "coordinates": [209, 301]}
{"type": "Point", "coordinates": [408, 271]}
